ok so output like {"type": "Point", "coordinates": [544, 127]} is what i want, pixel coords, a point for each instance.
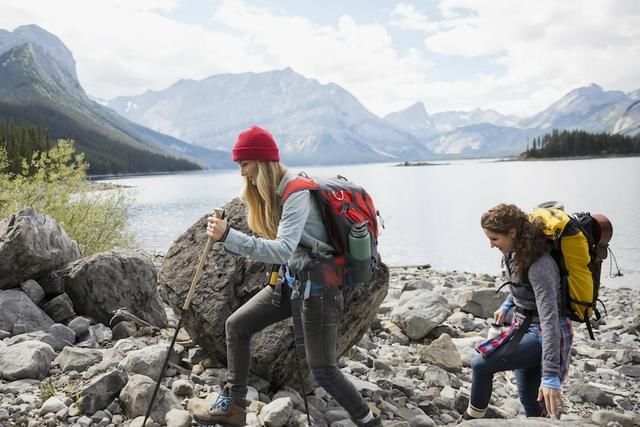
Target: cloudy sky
{"type": "Point", "coordinates": [513, 56]}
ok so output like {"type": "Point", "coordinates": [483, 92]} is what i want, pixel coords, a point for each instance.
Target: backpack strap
{"type": "Point", "coordinates": [513, 343]}
{"type": "Point", "coordinates": [301, 183]}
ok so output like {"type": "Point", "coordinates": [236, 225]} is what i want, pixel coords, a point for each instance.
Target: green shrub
{"type": "Point", "coordinates": [55, 182]}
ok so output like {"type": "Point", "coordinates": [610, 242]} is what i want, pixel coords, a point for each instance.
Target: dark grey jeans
{"type": "Point", "coordinates": [320, 316]}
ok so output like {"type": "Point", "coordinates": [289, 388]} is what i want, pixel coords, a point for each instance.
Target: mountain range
{"type": "Point", "coordinates": [39, 85]}
{"type": "Point", "coordinates": [314, 123]}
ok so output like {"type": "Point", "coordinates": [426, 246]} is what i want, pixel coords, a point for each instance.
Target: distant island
{"type": "Point", "coordinates": [578, 143]}
{"type": "Point", "coordinates": [420, 164]}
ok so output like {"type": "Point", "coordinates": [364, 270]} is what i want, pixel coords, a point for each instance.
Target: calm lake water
{"type": "Point", "coordinates": [431, 213]}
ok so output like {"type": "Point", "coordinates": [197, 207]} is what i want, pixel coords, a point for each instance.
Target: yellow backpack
{"type": "Point", "coordinates": [579, 244]}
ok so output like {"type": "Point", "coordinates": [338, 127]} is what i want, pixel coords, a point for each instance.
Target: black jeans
{"type": "Point", "coordinates": [525, 362]}
{"type": "Point", "coordinates": [320, 316]}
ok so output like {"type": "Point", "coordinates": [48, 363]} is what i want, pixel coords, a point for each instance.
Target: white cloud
{"type": "Point", "coordinates": [407, 17]}
{"type": "Point", "coordinates": [124, 48]}
{"type": "Point", "coordinates": [543, 49]}
{"type": "Point", "coordinates": [356, 56]}
{"type": "Point", "coordinates": [549, 46]}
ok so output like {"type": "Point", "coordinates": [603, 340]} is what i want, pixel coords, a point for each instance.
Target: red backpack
{"type": "Point", "coordinates": [351, 220]}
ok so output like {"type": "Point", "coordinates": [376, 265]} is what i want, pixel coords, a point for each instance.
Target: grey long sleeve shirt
{"type": "Point", "coordinates": [301, 226]}
{"type": "Point", "coordinates": [544, 296]}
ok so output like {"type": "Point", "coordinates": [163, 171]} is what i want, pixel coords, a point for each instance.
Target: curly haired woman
{"type": "Point", "coordinates": [537, 344]}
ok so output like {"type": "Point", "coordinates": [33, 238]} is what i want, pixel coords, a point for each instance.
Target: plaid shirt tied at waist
{"type": "Point", "coordinates": [487, 347]}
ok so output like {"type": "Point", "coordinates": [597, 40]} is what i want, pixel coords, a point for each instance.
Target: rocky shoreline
{"type": "Point", "coordinates": [410, 382]}
{"type": "Point", "coordinates": [411, 364]}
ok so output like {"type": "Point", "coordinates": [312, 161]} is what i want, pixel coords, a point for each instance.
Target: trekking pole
{"type": "Point", "coordinates": [298, 345]}
{"type": "Point", "coordinates": [304, 392]}
{"type": "Point", "coordinates": [219, 213]}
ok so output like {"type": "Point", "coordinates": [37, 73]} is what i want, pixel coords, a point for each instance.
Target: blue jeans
{"type": "Point", "coordinates": [526, 363]}
{"type": "Point", "coordinates": [320, 315]}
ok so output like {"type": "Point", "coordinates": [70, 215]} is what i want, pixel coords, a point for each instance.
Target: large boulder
{"type": "Point", "coordinates": [481, 302]}
{"type": "Point", "coordinates": [32, 244]}
{"type": "Point", "coordinates": [16, 308]}
{"type": "Point", "coordinates": [28, 359]}
{"type": "Point", "coordinates": [229, 281]}
{"type": "Point", "coordinates": [100, 284]}
{"type": "Point", "coordinates": [136, 397]}
{"type": "Point", "coordinates": [418, 312]}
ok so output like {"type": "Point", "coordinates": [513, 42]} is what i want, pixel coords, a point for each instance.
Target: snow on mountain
{"type": "Point", "coordinates": [589, 105]}
{"type": "Point", "coordinates": [629, 123]}
{"type": "Point", "coordinates": [312, 122]}
{"type": "Point", "coordinates": [449, 120]}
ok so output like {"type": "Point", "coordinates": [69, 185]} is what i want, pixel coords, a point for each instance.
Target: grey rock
{"type": "Point", "coordinates": [335, 415]}
{"type": "Point", "coordinates": [419, 284]}
{"type": "Point", "coordinates": [178, 418]}
{"type": "Point", "coordinates": [52, 404]}
{"type": "Point", "coordinates": [18, 386]}
{"type": "Point", "coordinates": [33, 290]}
{"type": "Point", "coordinates": [422, 421]}
{"type": "Point", "coordinates": [52, 283]}
{"type": "Point", "coordinates": [630, 370]}
{"type": "Point", "coordinates": [63, 334]}
{"type": "Point", "coordinates": [29, 359]}
{"type": "Point", "coordinates": [481, 302]}
{"type": "Point", "coordinates": [101, 391]}
{"type": "Point", "coordinates": [228, 282]}
{"type": "Point", "coordinates": [405, 385]}
{"type": "Point", "coordinates": [42, 336]}
{"type": "Point", "coordinates": [409, 412]}
{"type": "Point", "coordinates": [123, 330]}
{"type": "Point", "coordinates": [32, 244]}
{"type": "Point", "coordinates": [462, 321]}
{"type": "Point", "coordinates": [59, 308]}
{"type": "Point", "coordinates": [78, 359]}
{"type": "Point", "coordinates": [592, 394]}
{"type": "Point", "coordinates": [100, 284]}
{"type": "Point", "coordinates": [605, 418]}
{"type": "Point", "coordinates": [16, 308]}
{"type": "Point", "coordinates": [418, 312]}
{"type": "Point", "coordinates": [146, 361]}
{"type": "Point", "coordinates": [100, 333]}
{"type": "Point", "coordinates": [443, 353]}
{"type": "Point", "coordinates": [290, 393]}
{"type": "Point", "coordinates": [182, 388]}
{"type": "Point", "coordinates": [80, 325]}
{"type": "Point", "coordinates": [526, 422]}
{"type": "Point", "coordinates": [136, 396]}
{"type": "Point", "coordinates": [277, 413]}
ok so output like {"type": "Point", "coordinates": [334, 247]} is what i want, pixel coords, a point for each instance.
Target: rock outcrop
{"type": "Point", "coordinates": [32, 244]}
{"type": "Point", "coordinates": [105, 282]}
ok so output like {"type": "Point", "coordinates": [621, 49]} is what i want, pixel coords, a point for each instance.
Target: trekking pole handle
{"type": "Point", "coordinates": [218, 213]}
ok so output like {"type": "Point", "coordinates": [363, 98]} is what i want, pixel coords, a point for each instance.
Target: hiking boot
{"type": "Point", "coordinates": [222, 411]}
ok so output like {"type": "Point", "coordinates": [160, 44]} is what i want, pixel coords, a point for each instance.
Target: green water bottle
{"type": "Point", "coordinates": [360, 242]}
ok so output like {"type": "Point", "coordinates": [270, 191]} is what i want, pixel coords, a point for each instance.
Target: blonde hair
{"type": "Point", "coordinates": [263, 204]}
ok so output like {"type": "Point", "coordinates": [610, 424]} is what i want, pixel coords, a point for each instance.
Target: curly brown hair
{"type": "Point", "coordinates": [529, 242]}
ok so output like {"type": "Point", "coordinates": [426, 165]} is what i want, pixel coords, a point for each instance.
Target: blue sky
{"type": "Point", "coordinates": [516, 57]}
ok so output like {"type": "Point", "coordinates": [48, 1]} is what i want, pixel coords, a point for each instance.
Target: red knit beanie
{"type": "Point", "coordinates": [255, 144]}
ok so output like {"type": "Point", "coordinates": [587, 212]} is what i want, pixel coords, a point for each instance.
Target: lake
{"type": "Point", "coordinates": [431, 213]}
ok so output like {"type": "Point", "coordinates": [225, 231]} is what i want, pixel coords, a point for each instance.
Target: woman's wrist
{"type": "Point", "coordinates": [226, 233]}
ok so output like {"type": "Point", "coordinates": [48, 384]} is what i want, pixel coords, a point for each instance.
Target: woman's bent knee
{"type": "Point", "coordinates": [479, 365]}
{"type": "Point", "coordinates": [234, 326]}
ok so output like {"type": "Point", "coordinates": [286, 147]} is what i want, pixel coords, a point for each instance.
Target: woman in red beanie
{"type": "Point", "coordinates": [285, 232]}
